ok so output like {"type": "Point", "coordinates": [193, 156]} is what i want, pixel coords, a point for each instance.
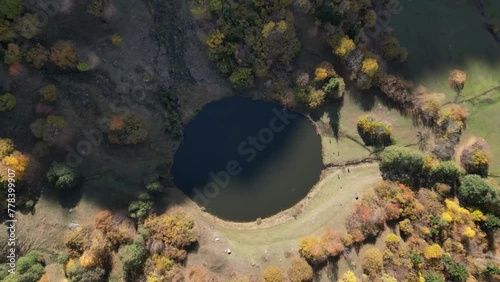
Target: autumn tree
{"type": "Point", "coordinates": [37, 55]}
{"type": "Point", "coordinates": [273, 274]}
{"type": "Point", "coordinates": [452, 118]}
{"type": "Point", "coordinates": [476, 157]}
{"type": "Point", "coordinates": [374, 132]}
{"type": "Point", "coordinates": [456, 80]}
{"type": "Point", "coordinates": [7, 102]}
{"type": "Point", "coordinates": [372, 262]}
{"type": "Point", "coordinates": [16, 161]}
{"type": "Point", "coordinates": [49, 92]}
{"type": "Point", "coordinates": [428, 105]}
{"type": "Point", "coordinates": [370, 67]}
{"type": "Point", "coordinates": [312, 250]}
{"type": "Point", "coordinates": [300, 271]}
{"type": "Point", "coordinates": [342, 45]}
{"type": "Point", "coordinates": [27, 26]}
{"type": "Point", "coordinates": [348, 277]}
{"type": "Point", "coordinates": [63, 54]}
{"type": "Point", "coordinates": [11, 9]}
{"type": "Point", "coordinates": [392, 50]}
{"type": "Point", "coordinates": [7, 31]}
{"type": "Point", "coordinates": [176, 231]}
{"type": "Point", "coordinates": [13, 54]}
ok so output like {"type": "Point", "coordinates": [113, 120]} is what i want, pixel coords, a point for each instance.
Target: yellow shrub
{"type": "Point", "coordinates": [370, 67]}
{"type": "Point", "coordinates": [344, 47]}
{"type": "Point", "coordinates": [477, 215]}
{"type": "Point", "coordinates": [392, 239]}
{"type": "Point", "coordinates": [348, 277]}
{"type": "Point", "coordinates": [320, 74]}
{"type": "Point", "coordinates": [17, 162]}
{"type": "Point", "coordinates": [266, 30]}
{"type": "Point", "coordinates": [273, 274]}
{"type": "Point", "coordinates": [117, 40]}
{"type": "Point", "coordinates": [469, 233]}
{"type": "Point", "coordinates": [446, 216]}
{"type": "Point", "coordinates": [215, 39]}
{"type": "Point", "coordinates": [433, 251]}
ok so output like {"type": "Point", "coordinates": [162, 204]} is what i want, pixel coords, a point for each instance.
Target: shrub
{"type": "Point", "coordinates": [332, 243]}
{"type": "Point", "coordinates": [433, 251]}
{"type": "Point", "coordinates": [335, 87]}
{"type": "Point", "coordinates": [96, 7]}
{"type": "Point", "coordinates": [56, 121]}
{"type": "Point", "coordinates": [7, 102]}
{"type": "Point", "coordinates": [11, 9]}
{"type": "Point", "coordinates": [16, 161]}
{"type": "Point", "coordinates": [348, 277]}
{"type": "Point", "coordinates": [62, 258]}
{"type": "Point", "coordinates": [62, 176]}
{"type": "Point", "coordinates": [139, 209]}
{"type": "Point", "coordinates": [456, 80]}
{"type": "Point", "coordinates": [312, 250]}
{"type": "Point", "coordinates": [343, 46]}
{"type": "Point", "coordinates": [27, 26]}
{"type": "Point", "coordinates": [370, 67]}
{"type": "Point", "coordinates": [176, 231]}
{"type": "Point", "coordinates": [273, 274]}
{"type": "Point", "coordinates": [63, 54]}
{"type": "Point", "coordinates": [215, 5]}
{"type": "Point", "coordinates": [492, 269]}
{"type": "Point", "coordinates": [456, 271]}
{"type": "Point", "coordinates": [242, 77]}
{"type": "Point", "coordinates": [83, 67]}
{"type": "Point", "coordinates": [133, 130]}
{"type": "Point", "coordinates": [476, 158]}
{"type": "Point", "coordinates": [300, 271]}
{"type": "Point", "coordinates": [370, 18]}
{"type": "Point", "coordinates": [372, 262]}
{"type": "Point", "coordinates": [6, 147]}
{"type": "Point", "coordinates": [329, 13]}
{"type": "Point", "coordinates": [316, 98]}
{"type": "Point", "coordinates": [37, 55]}
{"type": "Point", "coordinates": [391, 48]}
{"type": "Point", "coordinates": [49, 92]}
{"type": "Point", "coordinates": [452, 118]}
{"type": "Point", "coordinates": [401, 164]}
{"type": "Point", "coordinates": [7, 32]}
{"type": "Point", "coordinates": [29, 268]}
{"type": "Point", "coordinates": [433, 277]}
{"type": "Point", "coordinates": [117, 40]}
{"type": "Point", "coordinates": [374, 132]}
{"type": "Point", "coordinates": [476, 191]}
{"type": "Point", "coordinates": [77, 273]}
{"type": "Point", "coordinates": [13, 54]}
{"type": "Point", "coordinates": [446, 172]}
{"type": "Point", "coordinates": [133, 257]}
{"type": "Point", "coordinates": [491, 223]}
{"type": "Point", "coordinates": [215, 39]}
{"type": "Point", "coordinates": [428, 105]}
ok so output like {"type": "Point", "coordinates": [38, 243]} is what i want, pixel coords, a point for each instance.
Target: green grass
{"type": "Point", "coordinates": [453, 36]}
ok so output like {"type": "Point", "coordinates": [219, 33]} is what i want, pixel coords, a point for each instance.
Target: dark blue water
{"type": "Point", "coordinates": [244, 159]}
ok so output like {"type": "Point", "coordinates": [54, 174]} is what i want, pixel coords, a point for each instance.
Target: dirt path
{"type": "Point", "coordinates": [272, 241]}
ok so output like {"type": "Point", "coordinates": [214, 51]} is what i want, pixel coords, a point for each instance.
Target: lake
{"type": "Point", "coordinates": [243, 159]}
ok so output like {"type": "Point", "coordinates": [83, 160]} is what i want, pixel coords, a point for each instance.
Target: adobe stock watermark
{"type": "Point", "coordinates": [384, 17]}
{"type": "Point", "coordinates": [44, 9]}
{"type": "Point", "coordinates": [249, 149]}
